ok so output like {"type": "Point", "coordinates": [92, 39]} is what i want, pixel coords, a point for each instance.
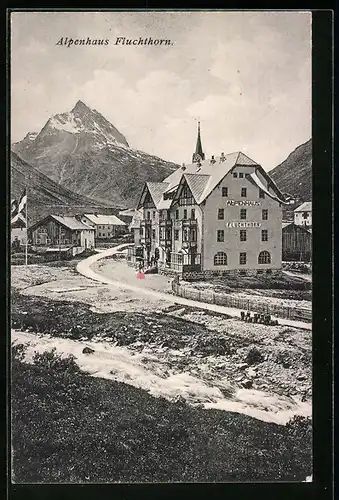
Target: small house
{"type": "Point", "coordinates": [303, 214]}
{"type": "Point", "coordinates": [105, 226]}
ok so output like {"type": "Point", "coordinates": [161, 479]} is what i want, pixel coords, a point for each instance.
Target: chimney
{"type": "Point", "coordinates": [183, 166]}
{"type": "Point", "coordinates": [212, 160]}
{"type": "Point", "coordinates": [222, 157]}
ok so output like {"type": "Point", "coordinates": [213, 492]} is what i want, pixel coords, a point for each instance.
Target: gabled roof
{"type": "Point", "coordinates": [66, 221]}
{"type": "Point", "coordinates": [306, 229]}
{"type": "Point", "coordinates": [215, 171]}
{"type": "Point", "coordinates": [260, 185]}
{"type": "Point", "coordinates": [197, 184]}
{"type": "Point", "coordinates": [305, 207]}
{"type": "Point", "coordinates": [156, 190]}
{"type": "Point", "coordinates": [105, 219]}
{"type": "Point", "coordinates": [70, 222]}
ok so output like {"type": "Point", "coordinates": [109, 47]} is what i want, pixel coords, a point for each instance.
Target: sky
{"type": "Point", "coordinates": [246, 76]}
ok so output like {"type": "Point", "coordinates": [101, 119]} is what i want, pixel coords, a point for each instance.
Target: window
{"type": "Point", "coordinates": [264, 214]}
{"type": "Point", "coordinates": [224, 191]}
{"type": "Point", "coordinates": [193, 213]}
{"type": "Point", "coordinates": [153, 214]}
{"type": "Point", "coordinates": [177, 214]}
{"type": "Point", "coordinates": [243, 235]}
{"type": "Point", "coordinates": [185, 235]}
{"type": "Point", "coordinates": [160, 214]}
{"type": "Point", "coordinates": [261, 193]}
{"type": "Point", "coordinates": [220, 259]}
{"type": "Point", "coordinates": [99, 234]}
{"type": "Point", "coordinates": [264, 235]}
{"type": "Point", "coordinates": [241, 175]}
{"type": "Point", "coordinates": [243, 213]}
{"type": "Point", "coordinates": [305, 215]}
{"type": "Point", "coordinates": [235, 175]}
{"type": "Point", "coordinates": [220, 235]}
{"type": "Point", "coordinates": [193, 236]}
{"type": "Point", "coordinates": [264, 258]}
{"type": "Point", "coordinates": [243, 192]}
{"type": "Point", "coordinates": [242, 258]}
{"type": "Point", "coordinates": [148, 215]}
{"type": "Point", "coordinates": [176, 234]}
{"type": "Point", "coordinates": [141, 231]}
{"type": "Point", "coordinates": [185, 213]}
{"type": "Point", "coordinates": [153, 234]}
{"type": "Point", "coordinates": [221, 213]}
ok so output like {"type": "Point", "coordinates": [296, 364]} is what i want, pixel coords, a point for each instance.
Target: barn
{"type": "Point", "coordinates": [296, 242]}
{"type": "Point", "coordinates": [62, 231]}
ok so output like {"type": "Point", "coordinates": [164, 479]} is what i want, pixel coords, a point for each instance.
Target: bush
{"type": "Point", "coordinates": [301, 426]}
{"type": "Point", "coordinates": [254, 356]}
{"type": "Point", "coordinates": [53, 361]}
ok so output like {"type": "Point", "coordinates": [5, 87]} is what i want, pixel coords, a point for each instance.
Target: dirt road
{"type": "Point", "coordinates": [85, 268]}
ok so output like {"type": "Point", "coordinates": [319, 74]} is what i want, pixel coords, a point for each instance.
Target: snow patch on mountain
{"type": "Point", "coordinates": [67, 123]}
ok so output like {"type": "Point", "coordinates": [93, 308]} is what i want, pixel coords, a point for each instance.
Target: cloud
{"type": "Point", "coordinates": [245, 75]}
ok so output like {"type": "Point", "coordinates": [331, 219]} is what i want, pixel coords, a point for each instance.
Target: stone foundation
{"type": "Point", "coordinates": [209, 275]}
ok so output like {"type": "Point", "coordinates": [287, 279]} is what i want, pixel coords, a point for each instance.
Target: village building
{"type": "Point", "coordinates": [106, 226]}
{"type": "Point", "coordinates": [213, 216]}
{"type": "Point", "coordinates": [296, 242]}
{"type": "Point", "coordinates": [303, 214]}
{"type": "Point", "coordinates": [62, 232]}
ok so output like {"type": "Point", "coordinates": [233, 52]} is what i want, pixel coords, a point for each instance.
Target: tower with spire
{"type": "Point", "coordinates": [199, 154]}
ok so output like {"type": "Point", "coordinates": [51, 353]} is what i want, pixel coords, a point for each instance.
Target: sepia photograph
{"type": "Point", "coordinates": [160, 247]}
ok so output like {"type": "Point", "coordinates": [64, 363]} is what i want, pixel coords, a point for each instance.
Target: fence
{"type": "Point", "coordinates": [293, 313]}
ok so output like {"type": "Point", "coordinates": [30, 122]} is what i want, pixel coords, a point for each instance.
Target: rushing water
{"type": "Point", "coordinates": [150, 372]}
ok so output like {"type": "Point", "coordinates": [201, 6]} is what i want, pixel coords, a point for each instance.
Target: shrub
{"type": "Point", "coordinates": [301, 426]}
{"type": "Point", "coordinates": [254, 356]}
{"type": "Point", "coordinates": [53, 361]}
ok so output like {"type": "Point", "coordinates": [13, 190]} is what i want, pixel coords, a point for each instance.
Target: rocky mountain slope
{"type": "Point", "coordinates": [294, 175]}
{"type": "Point", "coordinates": [83, 151]}
{"type": "Point", "coordinates": [46, 196]}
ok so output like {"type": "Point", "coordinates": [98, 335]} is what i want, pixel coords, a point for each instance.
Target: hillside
{"type": "Point", "coordinates": [46, 196]}
{"type": "Point", "coordinates": [294, 175]}
{"type": "Point", "coordinates": [80, 149]}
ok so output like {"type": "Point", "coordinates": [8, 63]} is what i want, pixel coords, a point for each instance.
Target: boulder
{"type": "Point", "coordinates": [87, 350]}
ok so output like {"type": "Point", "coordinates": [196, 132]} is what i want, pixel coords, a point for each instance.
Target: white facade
{"type": "Point", "coordinates": [303, 215]}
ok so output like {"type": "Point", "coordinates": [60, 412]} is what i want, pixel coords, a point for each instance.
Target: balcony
{"type": "Point", "coordinates": [166, 223]}
{"type": "Point", "coordinates": [146, 223]}
{"type": "Point", "coordinates": [189, 244]}
{"type": "Point", "coordinates": [185, 262]}
{"type": "Point", "coordinates": [165, 242]}
{"type": "Point", "coordinates": [189, 222]}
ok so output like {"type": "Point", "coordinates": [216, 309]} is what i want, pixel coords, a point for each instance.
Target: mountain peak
{"type": "Point", "coordinates": [80, 107]}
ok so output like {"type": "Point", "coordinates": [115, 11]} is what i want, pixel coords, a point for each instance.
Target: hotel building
{"type": "Point", "coordinates": [211, 217]}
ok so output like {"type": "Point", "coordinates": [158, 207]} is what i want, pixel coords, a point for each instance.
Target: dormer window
{"type": "Point", "coordinates": [235, 175]}
{"type": "Point", "coordinates": [261, 193]}
{"type": "Point", "coordinates": [241, 175]}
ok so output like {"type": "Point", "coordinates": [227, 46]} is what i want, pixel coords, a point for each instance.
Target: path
{"type": "Point", "coordinates": [84, 268]}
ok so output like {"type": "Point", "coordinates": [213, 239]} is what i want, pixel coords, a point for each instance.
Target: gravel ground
{"type": "Point", "coordinates": [186, 340]}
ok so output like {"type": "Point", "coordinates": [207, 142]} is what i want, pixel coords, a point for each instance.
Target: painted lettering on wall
{"type": "Point", "coordinates": [242, 203]}
{"type": "Point", "coordinates": [243, 224]}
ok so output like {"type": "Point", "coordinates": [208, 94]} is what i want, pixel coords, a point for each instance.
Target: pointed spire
{"type": "Point", "coordinates": [199, 154]}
